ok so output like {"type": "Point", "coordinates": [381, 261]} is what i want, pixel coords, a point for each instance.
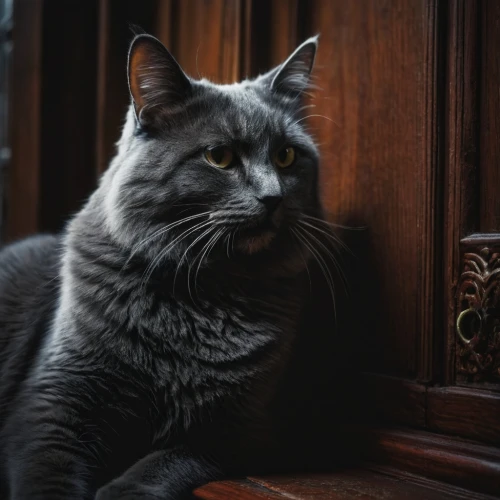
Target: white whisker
{"type": "Point", "coordinates": [208, 248]}
{"type": "Point", "coordinates": [334, 261]}
{"type": "Point", "coordinates": [188, 248]}
{"type": "Point", "coordinates": [324, 268]}
{"type": "Point", "coordinates": [149, 270]}
{"type": "Point", "coordinates": [332, 236]}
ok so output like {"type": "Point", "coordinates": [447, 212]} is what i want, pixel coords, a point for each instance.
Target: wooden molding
{"type": "Point", "coordinates": [456, 461]}
{"type": "Point", "coordinates": [461, 146]}
{"type": "Point", "coordinates": [469, 412]}
{"type": "Point", "coordinates": [466, 412]}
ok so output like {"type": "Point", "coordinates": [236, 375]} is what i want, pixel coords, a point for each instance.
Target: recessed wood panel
{"type": "Point", "coordinates": [376, 122]}
{"type": "Point", "coordinates": [452, 460]}
{"type": "Point", "coordinates": [490, 117]}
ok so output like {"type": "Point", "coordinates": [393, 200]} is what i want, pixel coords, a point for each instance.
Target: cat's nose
{"type": "Point", "coordinates": [271, 202]}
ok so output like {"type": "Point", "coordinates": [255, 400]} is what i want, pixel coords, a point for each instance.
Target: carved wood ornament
{"type": "Point", "coordinates": [478, 321]}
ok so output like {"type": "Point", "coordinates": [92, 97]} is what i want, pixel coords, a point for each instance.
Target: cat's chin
{"type": "Point", "coordinates": [256, 243]}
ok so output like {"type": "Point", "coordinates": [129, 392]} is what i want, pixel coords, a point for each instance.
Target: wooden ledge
{"type": "Point", "coordinates": [366, 484]}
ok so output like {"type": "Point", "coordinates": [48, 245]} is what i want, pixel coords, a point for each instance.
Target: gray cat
{"type": "Point", "coordinates": [141, 352]}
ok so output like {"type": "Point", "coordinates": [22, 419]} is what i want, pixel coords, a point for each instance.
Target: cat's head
{"type": "Point", "coordinates": [203, 167]}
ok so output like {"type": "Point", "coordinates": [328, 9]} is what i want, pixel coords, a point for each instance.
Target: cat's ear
{"type": "Point", "coordinates": [292, 77]}
{"type": "Point", "coordinates": [155, 79]}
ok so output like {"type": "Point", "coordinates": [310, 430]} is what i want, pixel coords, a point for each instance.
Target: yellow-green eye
{"type": "Point", "coordinates": [220, 156]}
{"type": "Point", "coordinates": [285, 157]}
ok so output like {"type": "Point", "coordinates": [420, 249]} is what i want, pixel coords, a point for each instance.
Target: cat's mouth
{"type": "Point", "coordinates": [256, 237]}
{"type": "Point", "coordinates": [253, 244]}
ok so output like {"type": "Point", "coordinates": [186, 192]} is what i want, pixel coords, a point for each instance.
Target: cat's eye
{"type": "Point", "coordinates": [285, 157]}
{"type": "Point", "coordinates": [219, 156]}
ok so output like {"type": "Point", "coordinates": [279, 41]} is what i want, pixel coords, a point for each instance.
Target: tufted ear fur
{"type": "Point", "coordinates": [292, 77]}
{"type": "Point", "coordinates": [156, 81]}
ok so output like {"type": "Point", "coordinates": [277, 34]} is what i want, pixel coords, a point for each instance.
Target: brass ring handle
{"type": "Point", "coordinates": [460, 318]}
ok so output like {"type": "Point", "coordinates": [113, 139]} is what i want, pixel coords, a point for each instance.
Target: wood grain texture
{"type": "Point", "coordinates": [377, 70]}
{"type": "Point", "coordinates": [284, 22]}
{"type": "Point", "coordinates": [465, 412]}
{"type": "Point", "coordinates": [241, 490]}
{"type": "Point", "coordinates": [349, 484]}
{"type": "Point", "coordinates": [490, 117]}
{"type": "Point", "coordinates": [461, 189]}
{"type": "Point", "coordinates": [452, 460]}
{"type": "Point", "coordinates": [114, 36]}
{"type": "Point", "coordinates": [164, 25]}
{"type": "Point", "coordinates": [209, 38]}
{"type": "Point", "coordinates": [381, 484]}
{"type": "Point", "coordinates": [271, 32]}
{"type": "Point", "coordinates": [25, 114]}
{"type": "Point", "coordinates": [437, 486]}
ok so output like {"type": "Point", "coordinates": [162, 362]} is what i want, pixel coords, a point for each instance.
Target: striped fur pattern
{"type": "Point", "coordinates": [141, 349]}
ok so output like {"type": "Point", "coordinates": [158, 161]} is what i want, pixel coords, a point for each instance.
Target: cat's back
{"type": "Point", "coordinates": [29, 282]}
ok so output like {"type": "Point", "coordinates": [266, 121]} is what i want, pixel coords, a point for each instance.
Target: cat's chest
{"type": "Point", "coordinates": [210, 359]}
{"type": "Point", "coordinates": [215, 335]}
{"type": "Point", "coordinates": [215, 347]}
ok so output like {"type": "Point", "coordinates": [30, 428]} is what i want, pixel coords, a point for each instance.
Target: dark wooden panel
{"type": "Point", "coordinates": [114, 36]}
{"type": "Point", "coordinates": [103, 137]}
{"type": "Point", "coordinates": [283, 29]}
{"type": "Point", "coordinates": [68, 109]}
{"type": "Point", "coordinates": [395, 400]}
{"type": "Point", "coordinates": [377, 128]}
{"type": "Point", "coordinates": [456, 461]}
{"type": "Point", "coordinates": [461, 157]}
{"type": "Point", "coordinates": [490, 117]}
{"type": "Point", "coordinates": [272, 31]}
{"type": "Point", "coordinates": [209, 39]}
{"type": "Point", "coordinates": [25, 110]}
{"type": "Point", "coordinates": [164, 25]}
{"type": "Point", "coordinates": [465, 412]}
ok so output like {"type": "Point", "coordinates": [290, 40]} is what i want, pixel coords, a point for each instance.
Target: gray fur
{"type": "Point", "coordinates": [137, 336]}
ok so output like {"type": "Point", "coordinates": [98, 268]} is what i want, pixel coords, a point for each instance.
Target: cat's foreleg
{"type": "Point", "coordinates": [167, 475]}
{"type": "Point", "coordinates": [52, 447]}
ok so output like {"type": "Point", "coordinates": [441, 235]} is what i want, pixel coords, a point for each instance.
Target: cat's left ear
{"type": "Point", "coordinates": [292, 77]}
{"type": "Point", "coordinates": [156, 81]}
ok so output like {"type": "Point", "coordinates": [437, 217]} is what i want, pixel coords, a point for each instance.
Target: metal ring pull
{"type": "Point", "coordinates": [460, 319]}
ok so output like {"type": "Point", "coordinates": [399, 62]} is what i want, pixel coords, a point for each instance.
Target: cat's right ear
{"type": "Point", "coordinates": [156, 81]}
